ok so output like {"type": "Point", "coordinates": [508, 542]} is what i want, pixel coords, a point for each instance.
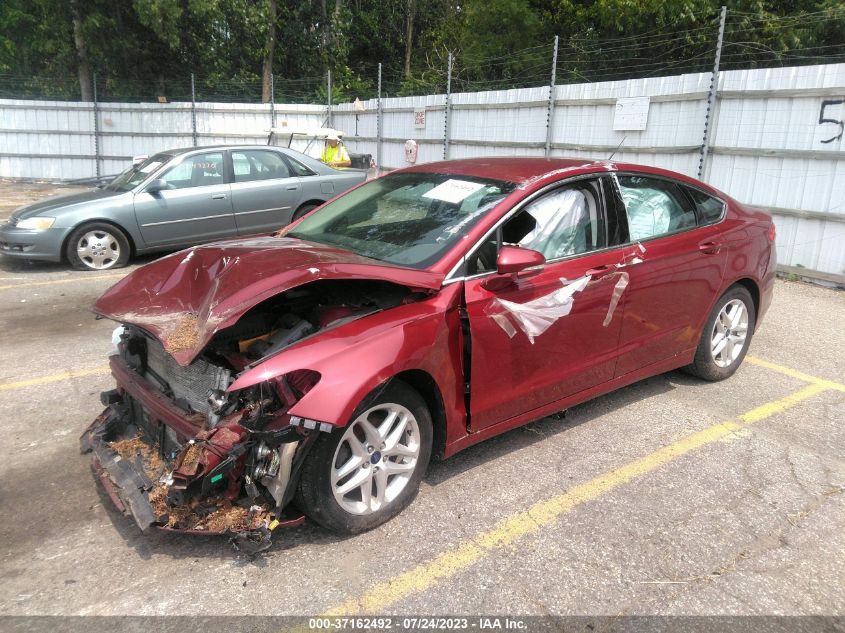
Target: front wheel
{"type": "Point", "coordinates": [364, 474]}
{"type": "Point", "coordinates": [97, 246]}
{"type": "Point", "coordinates": [726, 336]}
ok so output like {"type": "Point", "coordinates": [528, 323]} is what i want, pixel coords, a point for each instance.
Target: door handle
{"type": "Point", "coordinates": [709, 248]}
{"type": "Point", "coordinates": [218, 196]}
{"type": "Point", "coordinates": [293, 187]}
{"type": "Point", "coordinates": [599, 271]}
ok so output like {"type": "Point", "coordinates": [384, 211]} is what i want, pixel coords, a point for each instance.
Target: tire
{"type": "Point", "coordinates": [349, 512]}
{"type": "Point", "coordinates": [305, 208]}
{"type": "Point", "coordinates": [728, 357]}
{"type": "Point", "coordinates": [97, 246]}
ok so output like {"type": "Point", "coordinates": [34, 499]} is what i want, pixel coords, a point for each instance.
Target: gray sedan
{"type": "Point", "coordinates": [172, 200]}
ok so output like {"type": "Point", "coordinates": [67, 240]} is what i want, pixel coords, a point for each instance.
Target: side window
{"type": "Point", "coordinates": [298, 168]}
{"type": "Point", "coordinates": [564, 222]}
{"type": "Point", "coordinates": [252, 165]}
{"type": "Point", "coordinates": [196, 171]}
{"type": "Point", "coordinates": [710, 209]}
{"type": "Point", "coordinates": [655, 207]}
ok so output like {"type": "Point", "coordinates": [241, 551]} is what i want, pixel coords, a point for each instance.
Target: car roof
{"type": "Point", "coordinates": [185, 150]}
{"type": "Point", "coordinates": [523, 170]}
{"type": "Point", "coordinates": [508, 168]}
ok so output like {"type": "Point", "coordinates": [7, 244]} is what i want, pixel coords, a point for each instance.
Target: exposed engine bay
{"type": "Point", "coordinates": [177, 451]}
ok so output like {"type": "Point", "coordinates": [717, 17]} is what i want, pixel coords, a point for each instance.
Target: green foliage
{"type": "Point", "coordinates": [140, 49]}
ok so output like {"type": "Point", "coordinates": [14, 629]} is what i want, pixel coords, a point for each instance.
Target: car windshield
{"type": "Point", "coordinates": [409, 219]}
{"type": "Point", "coordinates": [137, 174]}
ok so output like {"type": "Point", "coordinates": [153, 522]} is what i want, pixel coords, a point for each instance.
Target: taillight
{"type": "Point", "coordinates": [772, 232]}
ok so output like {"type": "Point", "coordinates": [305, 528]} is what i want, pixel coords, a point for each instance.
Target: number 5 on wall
{"type": "Point", "coordinates": [823, 120]}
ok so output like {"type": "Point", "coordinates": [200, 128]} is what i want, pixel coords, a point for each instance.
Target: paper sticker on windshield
{"type": "Point", "coordinates": [454, 191]}
{"type": "Point", "coordinates": [148, 168]}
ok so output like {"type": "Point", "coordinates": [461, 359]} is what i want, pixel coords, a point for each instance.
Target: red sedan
{"type": "Point", "coordinates": [317, 371]}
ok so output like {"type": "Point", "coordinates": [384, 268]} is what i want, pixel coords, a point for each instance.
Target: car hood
{"type": "Point", "coordinates": [65, 200]}
{"type": "Point", "coordinates": [185, 298]}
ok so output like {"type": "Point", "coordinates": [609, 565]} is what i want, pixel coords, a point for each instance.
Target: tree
{"type": "Point", "coordinates": [269, 52]}
{"type": "Point", "coordinates": [83, 65]}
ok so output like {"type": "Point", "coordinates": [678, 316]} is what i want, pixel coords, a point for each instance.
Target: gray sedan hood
{"type": "Point", "coordinates": [54, 203]}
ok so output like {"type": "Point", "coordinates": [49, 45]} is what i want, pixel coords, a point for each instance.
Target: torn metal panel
{"type": "Point", "coordinates": [536, 316]}
{"type": "Point", "coordinates": [184, 299]}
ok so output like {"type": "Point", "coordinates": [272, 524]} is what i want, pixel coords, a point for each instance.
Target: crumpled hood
{"type": "Point", "coordinates": [64, 200]}
{"type": "Point", "coordinates": [185, 298]}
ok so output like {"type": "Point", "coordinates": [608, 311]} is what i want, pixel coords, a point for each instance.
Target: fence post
{"type": "Point", "coordinates": [193, 111]}
{"type": "Point", "coordinates": [329, 98]}
{"type": "Point", "coordinates": [96, 127]}
{"type": "Point", "coordinates": [378, 121]}
{"type": "Point", "coordinates": [448, 111]}
{"type": "Point", "coordinates": [551, 107]}
{"type": "Point", "coordinates": [272, 102]}
{"type": "Point", "coordinates": [710, 114]}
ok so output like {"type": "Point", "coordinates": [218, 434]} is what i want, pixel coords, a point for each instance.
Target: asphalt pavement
{"type": "Point", "coordinates": [672, 496]}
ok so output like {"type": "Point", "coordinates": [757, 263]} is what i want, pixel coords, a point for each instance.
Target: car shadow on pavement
{"type": "Point", "coordinates": [541, 430]}
{"type": "Point", "coordinates": [181, 546]}
{"type": "Point", "coordinates": [12, 266]}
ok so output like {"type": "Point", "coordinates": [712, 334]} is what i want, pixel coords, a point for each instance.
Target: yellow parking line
{"type": "Point", "coordinates": [457, 559]}
{"type": "Point", "coordinates": [87, 277]}
{"type": "Point", "coordinates": [65, 375]}
{"type": "Point", "coordinates": [794, 373]}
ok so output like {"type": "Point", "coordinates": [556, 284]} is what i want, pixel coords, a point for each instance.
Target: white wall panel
{"type": "Point", "coordinates": [767, 142]}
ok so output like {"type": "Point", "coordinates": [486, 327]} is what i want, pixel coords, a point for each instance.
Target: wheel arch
{"type": "Point", "coordinates": [127, 234]}
{"type": "Point", "coordinates": [313, 201]}
{"type": "Point", "coordinates": [425, 385]}
{"type": "Point", "coordinates": [753, 289]}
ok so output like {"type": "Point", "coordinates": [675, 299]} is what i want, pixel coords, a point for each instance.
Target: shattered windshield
{"type": "Point", "coordinates": [408, 219]}
{"type": "Point", "coordinates": [137, 174]}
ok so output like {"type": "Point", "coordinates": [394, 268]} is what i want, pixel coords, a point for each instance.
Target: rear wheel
{"type": "Point", "coordinates": [364, 474]}
{"type": "Point", "coordinates": [726, 336]}
{"type": "Point", "coordinates": [97, 246]}
{"type": "Point", "coordinates": [305, 208]}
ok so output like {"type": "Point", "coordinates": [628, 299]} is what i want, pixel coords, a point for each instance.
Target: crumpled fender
{"type": "Point", "coordinates": [355, 358]}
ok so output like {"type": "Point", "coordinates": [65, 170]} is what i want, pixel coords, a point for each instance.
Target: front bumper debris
{"type": "Point", "coordinates": [143, 446]}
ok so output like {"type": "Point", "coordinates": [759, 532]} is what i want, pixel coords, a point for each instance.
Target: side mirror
{"type": "Point", "coordinates": [513, 259]}
{"type": "Point", "coordinates": [159, 184]}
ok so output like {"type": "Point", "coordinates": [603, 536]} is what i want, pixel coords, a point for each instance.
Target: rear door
{"type": "Point", "coordinates": [681, 268]}
{"type": "Point", "coordinates": [265, 193]}
{"type": "Point", "coordinates": [525, 352]}
{"type": "Point", "coordinates": [194, 208]}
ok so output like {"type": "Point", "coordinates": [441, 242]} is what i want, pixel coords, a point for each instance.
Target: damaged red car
{"type": "Point", "coordinates": [315, 372]}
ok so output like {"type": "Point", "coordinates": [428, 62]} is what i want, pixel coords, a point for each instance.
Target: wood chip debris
{"type": "Point", "coordinates": [191, 516]}
{"type": "Point", "coordinates": [185, 335]}
{"type": "Point", "coordinates": [130, 448]}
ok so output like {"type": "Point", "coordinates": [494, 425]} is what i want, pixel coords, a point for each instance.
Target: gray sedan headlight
{"type": "Point", "coordinates": [36, 223]}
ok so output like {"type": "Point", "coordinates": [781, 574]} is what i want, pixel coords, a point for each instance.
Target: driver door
{"type": "Point", "coordinates": [513, 368]}
{"type": "Point", "coordinates": [196, 206]}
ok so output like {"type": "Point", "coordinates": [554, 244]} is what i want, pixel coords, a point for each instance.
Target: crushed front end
{"type": "Point", "coordinates": [176, 452]}
{"type": "Point", "coordinates": [178, 448]}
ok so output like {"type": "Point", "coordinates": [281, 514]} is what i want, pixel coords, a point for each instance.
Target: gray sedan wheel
{"type": "Point", "coordinates": [97, 246]}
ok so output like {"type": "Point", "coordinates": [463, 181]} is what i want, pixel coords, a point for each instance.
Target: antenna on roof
{"type": "Point", "coordinates": [613, 153]}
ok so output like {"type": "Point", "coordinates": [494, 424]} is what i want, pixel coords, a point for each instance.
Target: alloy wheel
{"type": "Point", "coordinates": [375, 459]}
{"type": "Point", "coordinates": [730, 332]}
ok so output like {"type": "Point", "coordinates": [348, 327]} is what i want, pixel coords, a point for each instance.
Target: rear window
{"type": "Point", "coordinates": [710, 209]}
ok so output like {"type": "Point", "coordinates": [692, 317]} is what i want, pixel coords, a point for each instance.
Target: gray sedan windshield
{"type": "Point", "coordinates": [409, 219]}
{"type": "Point", "coordinates": [137, 174]}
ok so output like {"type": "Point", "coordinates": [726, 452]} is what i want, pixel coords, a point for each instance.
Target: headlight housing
{"type": "Point", "coordinates": [38, 223]}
